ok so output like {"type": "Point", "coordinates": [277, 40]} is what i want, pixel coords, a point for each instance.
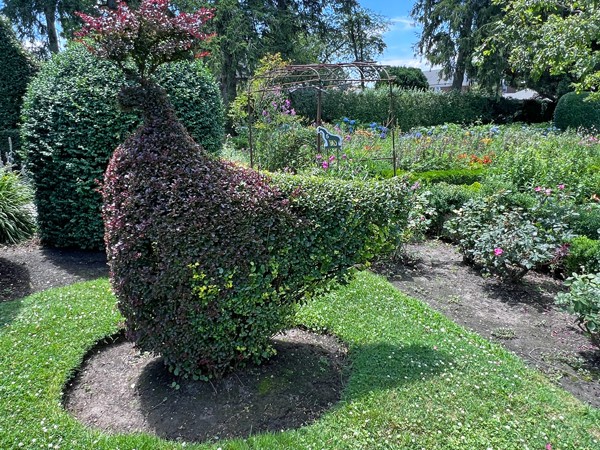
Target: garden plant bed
{"type": "Point", "coordinates": [521, 317]}
{"type": "Point", "coordinates": [121, 390]}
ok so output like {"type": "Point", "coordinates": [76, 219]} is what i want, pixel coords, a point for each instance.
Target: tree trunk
{"type": "Point", "coordinates": [49, 13]}
{"type": "Point", "coordinates": [228, 80]}
{"type": "Point", "coordinates": [459, 72]}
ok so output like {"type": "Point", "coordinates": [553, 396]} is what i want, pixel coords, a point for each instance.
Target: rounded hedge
{"type": "Point", "coordinates": [72, 125]}
{"type": "Point", "coordinates": [16, 69]}
{"type": "Point", "coordinates": [572, 111]}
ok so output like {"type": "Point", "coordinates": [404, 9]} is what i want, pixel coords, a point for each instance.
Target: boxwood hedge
{"type": "Point", "coordinates": [72, 126]}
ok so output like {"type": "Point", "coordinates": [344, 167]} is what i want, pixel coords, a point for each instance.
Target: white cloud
{"type": "Point", "coordinates": [423, 65]}
{"type": "Point", "coordinates": [402, 23]}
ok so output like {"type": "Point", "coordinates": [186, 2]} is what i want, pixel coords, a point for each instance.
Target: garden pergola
{"type": "Point", "coordinates": [321, 77]}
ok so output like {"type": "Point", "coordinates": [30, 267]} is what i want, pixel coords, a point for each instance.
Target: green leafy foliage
{"type": "Point", "coordinates": [446, 198]}
{"type": "Point", "coordinates": [584, 256]}
{"type": "Point", "coordinates": [72, 125]}
{"type": "Point", "coordinates": [588, 222]}
{"type": "Point", "coordinates": [510, 241]}
{"type": "Point", "coordinates": [406, 78]}
{"type": "Point", "coordinates": [16, 69]}
{"type": "Point", "coordinates": [552, 37]}
{"type": "Point", "coordinates": [457, 176]}
{"type": "Point", "coordinates": [557, 158]}
{"type": "Point", "coordinates": [17, 220]}
{"type": "Point", "coordinates": [573, 111]}
{"type": "Point", "coordinates": [584, 301]}
{"type": "Point", "coordinates": [454, 176]}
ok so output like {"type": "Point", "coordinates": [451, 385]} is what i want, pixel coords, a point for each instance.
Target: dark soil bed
{"type": "Point", "coordinates": [119, 389]}
{"type": "Point", "coordinates": [521, 317]}
{"type": "Point", "coordinates": [29, 268]}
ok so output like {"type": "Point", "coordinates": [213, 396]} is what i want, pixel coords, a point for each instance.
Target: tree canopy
{"type": "Point", "coordinates": [552, 37]}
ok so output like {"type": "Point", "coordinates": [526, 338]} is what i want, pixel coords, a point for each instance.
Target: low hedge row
{"type": "Point", "coordinates": [417, 107]}
{"type": "Point", "coordinates": [457, 176]}
{"type": "Point", "coordinates": [584, 256]}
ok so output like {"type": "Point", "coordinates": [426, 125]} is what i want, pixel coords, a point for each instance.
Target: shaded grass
{"type": "Point", "coordinates": [417, 380]}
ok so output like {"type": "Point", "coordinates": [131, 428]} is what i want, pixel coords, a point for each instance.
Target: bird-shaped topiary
{"type": "Point", "coordinates": [207, 259]}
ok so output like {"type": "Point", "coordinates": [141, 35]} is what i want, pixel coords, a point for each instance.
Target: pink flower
{"type": "Point", "coordinates": [561, 186]}
{"type": "Point", "coordinates": [293, 112]}
{"type": "Point", "coordinates": [344, 156]}
{"type": "Point", "coordinates": [538, 189]}
{"type": "Point", "coordinates": [548, 447]}
{"type": "Point", "coordinates": [325, 165]}
{"type": "Point", "coordinates": [332, 157]}
{"type": "Point", "coordinates": [434, 347]}
{"type": "Point", "coordinates": [548, 191]}
{"type": "Point", "coordinates": [264, 113]}
{"type": "Point", "coordinates": [318, 156]}
{"type": "Point", "coordinates": [498, 251]}
{"type": "Point", "coordinates": [347, 138]}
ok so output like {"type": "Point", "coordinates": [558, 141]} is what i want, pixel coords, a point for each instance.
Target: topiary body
{"type": "Point", "coordinates": [198, 248]}
{"type": "Point", "coordinates": [572, 111]}
{"type": "Point", "coordinates": [73, 124]}
{"type": "Point", "coordinates": [16, 69]}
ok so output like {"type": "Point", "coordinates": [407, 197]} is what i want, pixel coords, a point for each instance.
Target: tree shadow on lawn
{"type": "Point", "coordinates": [85, 264]}
{"type": "Point", "coordinates": [120, 390]}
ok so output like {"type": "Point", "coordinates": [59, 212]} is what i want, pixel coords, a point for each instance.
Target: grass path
{"type": "Point", "coordinates": [418, 380]}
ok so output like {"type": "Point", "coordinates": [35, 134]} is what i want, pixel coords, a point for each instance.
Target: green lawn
{"type": "Point", "coordinates": [418, 380]}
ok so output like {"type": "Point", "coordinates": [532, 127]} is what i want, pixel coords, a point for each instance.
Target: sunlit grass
{"type": "Point", "coordinates": [417, 379]}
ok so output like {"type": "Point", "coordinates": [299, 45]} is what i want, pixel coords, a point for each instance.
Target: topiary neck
{"type": "Point", "coordinates": [152, 100]}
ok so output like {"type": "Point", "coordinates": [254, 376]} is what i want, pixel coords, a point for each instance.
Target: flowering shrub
{"type": "Point", "coordinates": [510, 241]}
{"type": "Point", "coordinates": [584, 301]}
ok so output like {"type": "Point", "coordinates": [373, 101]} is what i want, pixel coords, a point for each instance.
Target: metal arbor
{"type": "Point", "coordinates": [320, 77]}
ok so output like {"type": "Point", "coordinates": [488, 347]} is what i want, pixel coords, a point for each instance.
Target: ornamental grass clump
{"type": "Point", "coordinates": [208, 260]}
{"type": "Point", "coordinates": [17, 219]}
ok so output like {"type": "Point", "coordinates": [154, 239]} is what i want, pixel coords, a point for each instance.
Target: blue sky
{"type": "Point", "coordinates": [402, 35]}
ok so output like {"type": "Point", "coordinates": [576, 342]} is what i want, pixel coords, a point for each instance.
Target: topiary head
{"type": "Point", "coordinates": [139, 41]}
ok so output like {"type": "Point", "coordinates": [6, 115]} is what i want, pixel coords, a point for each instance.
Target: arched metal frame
{"type": "Point", "coordinates": [321, 77]}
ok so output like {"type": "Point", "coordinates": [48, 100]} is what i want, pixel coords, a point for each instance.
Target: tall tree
{"type": "Point", "coordinates": [452, 30]}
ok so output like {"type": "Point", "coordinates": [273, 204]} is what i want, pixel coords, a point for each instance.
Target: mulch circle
{"type": "Point", "coordinates": [122, 390]}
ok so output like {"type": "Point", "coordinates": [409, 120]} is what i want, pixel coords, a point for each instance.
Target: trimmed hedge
{"type": "Point", "coordinates": [413, 107]}
{"type": "Point", "coordinates": [72, 126]}
{"type": "Point", "coordinates": [572, 111]}
{"type": "Point", "coordinates": [456, 176]}
{"type": "Point", "coordinates": [587, 223]}
{"type": "Point", "coordinates": [445, 198]}
{"type": "Point", "coordinates": [584, 256]}
{"type": "Point", "coordinates": [16, 69]}
{"type": "Point", "coordinates": [208, 259]}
